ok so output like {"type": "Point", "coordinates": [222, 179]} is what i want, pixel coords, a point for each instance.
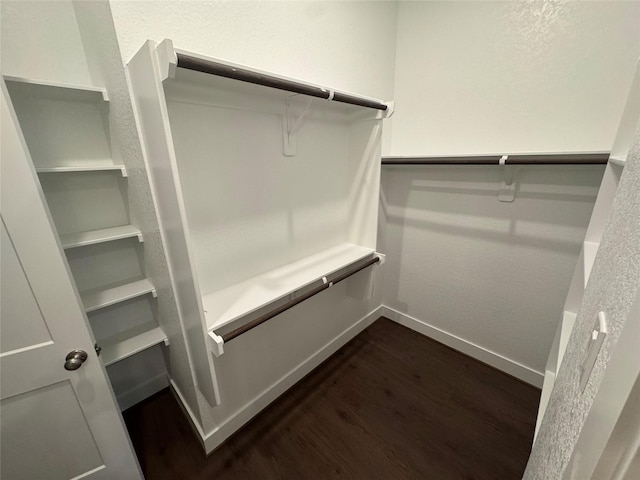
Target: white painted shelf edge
{"type": "Point", "coordinates": [82, 239]}
{"type": "Point", "coordinates": [83, 168]}
{"type": "Point", "coordinates": [121, 347]}
{"type": "Point", "coordinates": [100, 298]}
{"type": "Point", "coordinates": [231, 303]}
{"type": "Point", "coordinates": [81, 89]}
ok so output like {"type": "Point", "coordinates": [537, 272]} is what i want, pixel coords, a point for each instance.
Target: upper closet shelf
{"type": "Point", "coordinates": [83, 168]}
{"type": "Point", "coordinates": [61, 91]}
{"type": "Point", "coordinates": [81, 239]}
{"type": "Point", "coordinates": [172, 58]}
{"type": "Point", "coordinates": [228, 304]}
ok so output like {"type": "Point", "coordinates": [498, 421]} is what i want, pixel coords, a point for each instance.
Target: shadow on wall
{"type": "Point", "coordinates": [550, 210]}
{"type": "Point", "coordinates": [493, 273]}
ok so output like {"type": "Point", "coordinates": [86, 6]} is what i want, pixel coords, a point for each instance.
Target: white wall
{"type": "Point", "coordinates": [345, 45]}
{"type": "Point", "coordinates": [484, 77]}
{"type": "Point", "coordinates": [499, 77]}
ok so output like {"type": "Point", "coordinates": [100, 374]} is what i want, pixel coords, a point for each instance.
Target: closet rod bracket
{"type": "Point", "coordinates": [217, 344]}
{"type": "Point", "coordinates": [507, 187]}
{"type": "Point", "coordinates": [391, 108]}
{"type": "Point", "coordinates": [291, 126]}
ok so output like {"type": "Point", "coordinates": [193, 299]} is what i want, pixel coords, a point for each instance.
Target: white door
{"type": "Point", "coordinates": [55, 423]}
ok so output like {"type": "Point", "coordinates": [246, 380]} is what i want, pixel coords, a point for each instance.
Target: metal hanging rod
{"type": "Point", "coordinates": [598, 158]}
{"type": "Point", "coordinates": [245, 75]}
{"type": "Point", "coordinates": [277, 311]}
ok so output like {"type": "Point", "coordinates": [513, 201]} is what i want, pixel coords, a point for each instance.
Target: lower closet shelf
{"type": "Point", "coordinates": [129, 343]}
{"type": "Point", "coordinates": [231, 303]}
{"type": "Point", "coordinates": [104, 297]}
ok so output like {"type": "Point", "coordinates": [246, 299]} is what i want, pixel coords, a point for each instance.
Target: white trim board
{"type": "Point", "coordinates": [478, 352]}
{"type": "Point", "coordinates": [214, 438]}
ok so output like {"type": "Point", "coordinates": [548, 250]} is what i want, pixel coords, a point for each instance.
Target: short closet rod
{"type": "Point", "coordinates": [599, 158]}
{"type": "Point", "coordinates": [245, 75]}
{"type": "Point", "coordinates": [267, 316]}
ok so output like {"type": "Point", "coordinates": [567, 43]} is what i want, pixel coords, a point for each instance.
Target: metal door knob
{"type": "Point", "coordinates": [75, 359]}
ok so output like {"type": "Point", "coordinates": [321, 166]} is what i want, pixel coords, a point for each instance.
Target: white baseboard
{"type": "Point", "coordinates": [223, 431]}
{"type": "Point", "coordinates": [144, 390]}
{"type": "Point", "coordinates": [478, 352]}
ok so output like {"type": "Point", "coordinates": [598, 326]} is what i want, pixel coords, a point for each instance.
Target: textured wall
{"type": "Point", "coordinates": [612, 288]}
{"type": "Point", "coordinates": [480, 77]}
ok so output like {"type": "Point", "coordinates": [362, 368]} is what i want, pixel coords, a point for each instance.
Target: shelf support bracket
{"type": "Point", "coordinates": [291, 127]}
{"type": "Point", "coordinates": [507, 187]}
{"type": "Point", "coordinates": [217, 344]}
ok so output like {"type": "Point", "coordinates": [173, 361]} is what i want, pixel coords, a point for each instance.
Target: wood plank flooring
{"type": "Point", "coordinates": [391, 404]}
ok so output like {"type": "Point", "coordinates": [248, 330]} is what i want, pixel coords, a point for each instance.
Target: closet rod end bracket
{"type": "Point", "coordinates": [167, 59]}
{"type": "Point", "coordinates": [381, 258]}
{"type": "Point", "coordinates": [391, 108]}
{"type": "Point", "coordinates": [217, 344]}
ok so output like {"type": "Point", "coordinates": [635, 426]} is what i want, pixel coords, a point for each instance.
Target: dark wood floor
{"type": "Point", "coordinates": [391, 404]}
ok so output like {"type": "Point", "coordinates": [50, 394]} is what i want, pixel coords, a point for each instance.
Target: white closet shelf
{"type": "Point", "coordinates": [62, 91]}
{"type": "Point", "coordinates": [81, 239]}
{"type": "Point", "coordinates": [104, 297]}
{"type": "Point", "coordinates": [231, 303]}
{"type": "Point", "coordinates": [590, 250]}
{"type": "Point", "coordinates": [83, 168]}
{"type": "Point", "coordinates": [129, 343]}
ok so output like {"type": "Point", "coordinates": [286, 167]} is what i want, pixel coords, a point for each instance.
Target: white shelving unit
{"type": "Point", "coordinates": [262, 191]}
{"type": "Point", "coordinates": [593, 237]}
{"type": "Point", "coordinates": [64, 127]}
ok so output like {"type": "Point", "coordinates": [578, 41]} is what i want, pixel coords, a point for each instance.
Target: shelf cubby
{"type": "Point", "coordinates": [64, 125]}
{"type": "Point", "coordinates": [130, 342]}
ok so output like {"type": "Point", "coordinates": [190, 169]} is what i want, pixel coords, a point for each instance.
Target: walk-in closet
{"type": "Point", "coordinates": [320, 239]}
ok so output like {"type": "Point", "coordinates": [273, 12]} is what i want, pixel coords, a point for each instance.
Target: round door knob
{"type": "Point", "coordinates": [75, 359]}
